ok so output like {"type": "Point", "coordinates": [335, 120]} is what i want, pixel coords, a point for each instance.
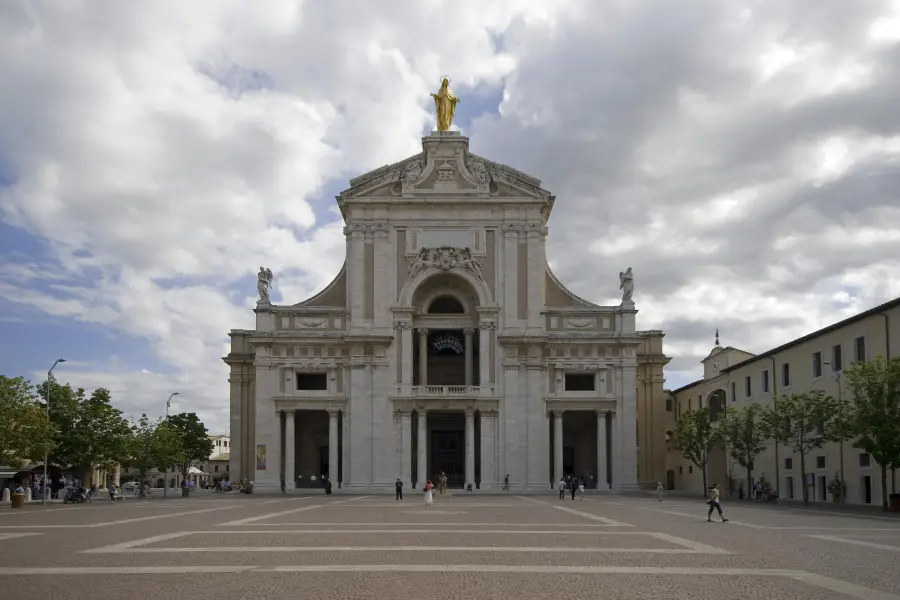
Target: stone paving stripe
{"type": "Point", "coordinates": [680, 541]}
{"type": "Point", "coordinates": [560, 526]}
{"type": "Point", "coordinates": [122, 521]}
{"type": "Point", "coordinates": [841, 540]}
{"type": "Point", "coordinates": [580, 513]}
{"type": "Point", "coordinates": [834, 585]}
{"type": "Point", "coordinates": [135, 543]}
{"type": "Point", "coordinates": [9, 536]}
{"type": "Point", "coordinates": [438, 504]}
{"type": "Point", "coordinates": [289, 512]}
{"type": "Point", "coordinates": [436, 549]}
{"type": "Point", "coordinates": [415, 531]}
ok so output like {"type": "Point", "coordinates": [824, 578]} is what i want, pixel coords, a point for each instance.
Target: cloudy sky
{"type": "Point", "coordinates": [743, 157]}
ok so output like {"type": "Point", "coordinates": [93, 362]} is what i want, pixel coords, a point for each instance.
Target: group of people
{"type": "Point", "coordinates": [574, 485]}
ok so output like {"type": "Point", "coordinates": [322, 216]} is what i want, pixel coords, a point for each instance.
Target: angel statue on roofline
{"type": "Point", "coordinates": [264, 283]}
{"type": "Point", "coordinates": [626, 284]}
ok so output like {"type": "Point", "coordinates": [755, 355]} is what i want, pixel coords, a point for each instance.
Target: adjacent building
{"type": "Point", "coordinates": [446, 345]}
{"type": "Point", "coordinates": [734, 378]}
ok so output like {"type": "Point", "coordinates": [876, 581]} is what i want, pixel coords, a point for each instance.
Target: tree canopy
{"type": "Point", "coordinates": [152, 445]}
{"type": "Point", "coordinates": [745, 433]}
{"type": "Point", "coordinates": [195, 444]}
{"type": "Point", "coordinates": [875, 415]}
{"type": "Point", "coordinates": [695, 436]}
{"type": "Point", "coordinates": [26, 434]}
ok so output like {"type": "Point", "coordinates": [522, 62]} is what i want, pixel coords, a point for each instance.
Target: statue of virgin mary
{"type": "Point", "coordinates": [445, 105]}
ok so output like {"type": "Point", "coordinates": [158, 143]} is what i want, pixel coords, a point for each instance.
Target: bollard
{"type": "Point", "coordinates": [28, 494]}
{"type": "Point", "coordinates": [6, 495]}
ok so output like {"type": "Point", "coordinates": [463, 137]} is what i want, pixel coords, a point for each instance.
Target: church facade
{"type": "Point", "coordinates": [446, 345]}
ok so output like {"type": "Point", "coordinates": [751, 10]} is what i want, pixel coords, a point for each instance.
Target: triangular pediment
{"type": "Point", "coordinates": [445, 168]}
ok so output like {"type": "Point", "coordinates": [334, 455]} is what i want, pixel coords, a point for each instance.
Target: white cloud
{"type": "Point", "coordinates": [745, 163]}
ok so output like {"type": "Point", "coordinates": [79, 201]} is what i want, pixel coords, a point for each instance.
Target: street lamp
{"type": "Point", "coordinates": [47, 454]}
{"type": "Point", "coordinates": [837, 378]}
{"type": "Point", "coordinates": [169, 403]}
{"type": "Point", "coordinates": [166, 473]}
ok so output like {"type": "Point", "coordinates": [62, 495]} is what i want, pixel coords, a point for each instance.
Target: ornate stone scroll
{"type": "Point", "coordinates": [444, 258]}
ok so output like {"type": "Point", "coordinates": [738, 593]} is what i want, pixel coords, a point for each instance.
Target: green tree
{"type": "Point", "coordinates": [92, 432]}
{"type": "Point", "coordinates": [695, 436]}
{"type": "Point", "coordinates": [195, 444]}
{"type": "Point", "coordinates": [804, 422]}
{"type": "Point", "coordinates": [746, 435]}
{"type": "Point", "coordinates": [25, 432]}
{"type": "Point", "coordinates": [875, 413]}
{"type": "Point", "coordinates": [152, 444]}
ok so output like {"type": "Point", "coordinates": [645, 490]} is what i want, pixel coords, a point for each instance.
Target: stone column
{"type": "Point", "coordinates": [345, 447]}
{"type": "Point", "coordinates": [333, 445]}
{"type": "Point", "coordinates": [601, 451]}
{"type": "Point", "coordinates": [469, 356]}
{"type": "Point", "coordinates": [423, 357]}
{"type": "Point", "coordinates": [488, 450]}
{"type": "Point", "coordinates": [406, 448]}
{"type": "Point", "coordinates": [117, 478]}
{"type": "Point", "coordinates": [470, 448]}
{"type": "Point", "coordinates": [557, 446]}
{"type": "Point", "coordinates": [614, 453]}
{"type": "Point", "coordinates": [628, 429]}
{"type": "Point", "coordinates": [406, 358]}
{"type": "Point", "coordinates": [422, 442]}
{"type": "Point", "coordinates": [290, 450]}
{"type": "Point", "coordinates": [484, 357]}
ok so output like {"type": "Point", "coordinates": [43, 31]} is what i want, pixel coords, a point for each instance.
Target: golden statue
{"type": "Point", "coordinates": [445, 105]}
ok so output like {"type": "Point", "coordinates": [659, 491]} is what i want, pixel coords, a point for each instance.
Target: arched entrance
{"type": "Point", "coordinates": [445, 366]}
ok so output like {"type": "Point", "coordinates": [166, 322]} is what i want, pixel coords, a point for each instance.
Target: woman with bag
{"type": "Point", "coordinates": [429, 494]}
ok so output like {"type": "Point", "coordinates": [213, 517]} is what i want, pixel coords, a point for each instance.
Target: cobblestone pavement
{"type": "Point", "coordinates": [465, 546]}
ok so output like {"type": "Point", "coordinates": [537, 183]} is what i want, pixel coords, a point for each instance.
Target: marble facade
{"type": "Point", "coordinates": [445, 344]}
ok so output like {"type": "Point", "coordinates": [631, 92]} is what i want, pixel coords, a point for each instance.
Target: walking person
{"type": "Point", "coordinates": [111, 488]}
{"type": "Point", "coordinates": [573, 487]}
{"type": "Point", "coordinates": [659, 490]}
{"type": "Point", "coordinates": [398, 487]}
{"type": "Point", "coordinates": [561, 486]}
{"type": "Point", "coordinates": [429, 494]}
{"type": "Point", "coordinates": [714, 504]}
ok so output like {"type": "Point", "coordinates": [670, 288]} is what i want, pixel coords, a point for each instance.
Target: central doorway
{"type": "Point", "coordinates": [447, 443]}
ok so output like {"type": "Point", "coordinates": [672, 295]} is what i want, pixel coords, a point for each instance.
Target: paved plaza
{"type": "Point", "coordinates": [464, 546]}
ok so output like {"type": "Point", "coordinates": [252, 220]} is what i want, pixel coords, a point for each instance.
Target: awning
{"type": "Point", "coordinates": [7, 474]}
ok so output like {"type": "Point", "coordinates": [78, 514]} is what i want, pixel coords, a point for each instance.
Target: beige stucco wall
{"type": "Point", "coordinates": [882, 338]}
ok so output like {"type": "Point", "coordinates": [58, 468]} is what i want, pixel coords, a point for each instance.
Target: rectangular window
{"type": "Point", "coordinates": [820, 462]}
{"type": "Point", "coordinates": [580, 382]}
{"type": "Point", "coordinates": [765, 381]}
{"type": "Point", "coordinates": [312, 382]}
{"type": "Point", "coordinates": [817, 364]}
{"type": "Point", "coordinates": [668, 405]}
{"type": "Point", "coordinates": [733, 392]}
{"type": "Point", "coordinates": [865, 460]}
{"type": "Point", "coordinates": [789, 463]}
{"type": "Point", "coordinates": [837, 359]}
{"type": "Point", "coordinates": [859, 352]}
{"type": "Point", "coordinates": [786, 375]}
{"type": "Point", "coordinates": [748, 390]}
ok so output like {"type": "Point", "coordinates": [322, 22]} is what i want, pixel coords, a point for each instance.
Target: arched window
{"type": "Point", "coordinates": [445, 305]}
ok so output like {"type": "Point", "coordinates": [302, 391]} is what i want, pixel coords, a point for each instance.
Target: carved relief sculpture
{"type": "Point", "coordinates": [263, 283]}
{"type": "Point", "coordinates": [478, 170]}
{"type": "Point", "coordinates": [446, 173]}
{"type": "Point", "coordinates": [626, 284]}
{"type": "Point", "coordinates": [413, 172]}
{"type": "Point", "coordinates": [445, 258]}
{"type": "Point", "coordinates": [445, 105]}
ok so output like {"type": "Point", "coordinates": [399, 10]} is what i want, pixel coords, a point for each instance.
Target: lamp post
{"type": "Point", "coordinates": [166, 473]}
{"type": "Point", "coordinates": [837, 378]}
{"type": "Point", "coordinates": [47, 454]}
